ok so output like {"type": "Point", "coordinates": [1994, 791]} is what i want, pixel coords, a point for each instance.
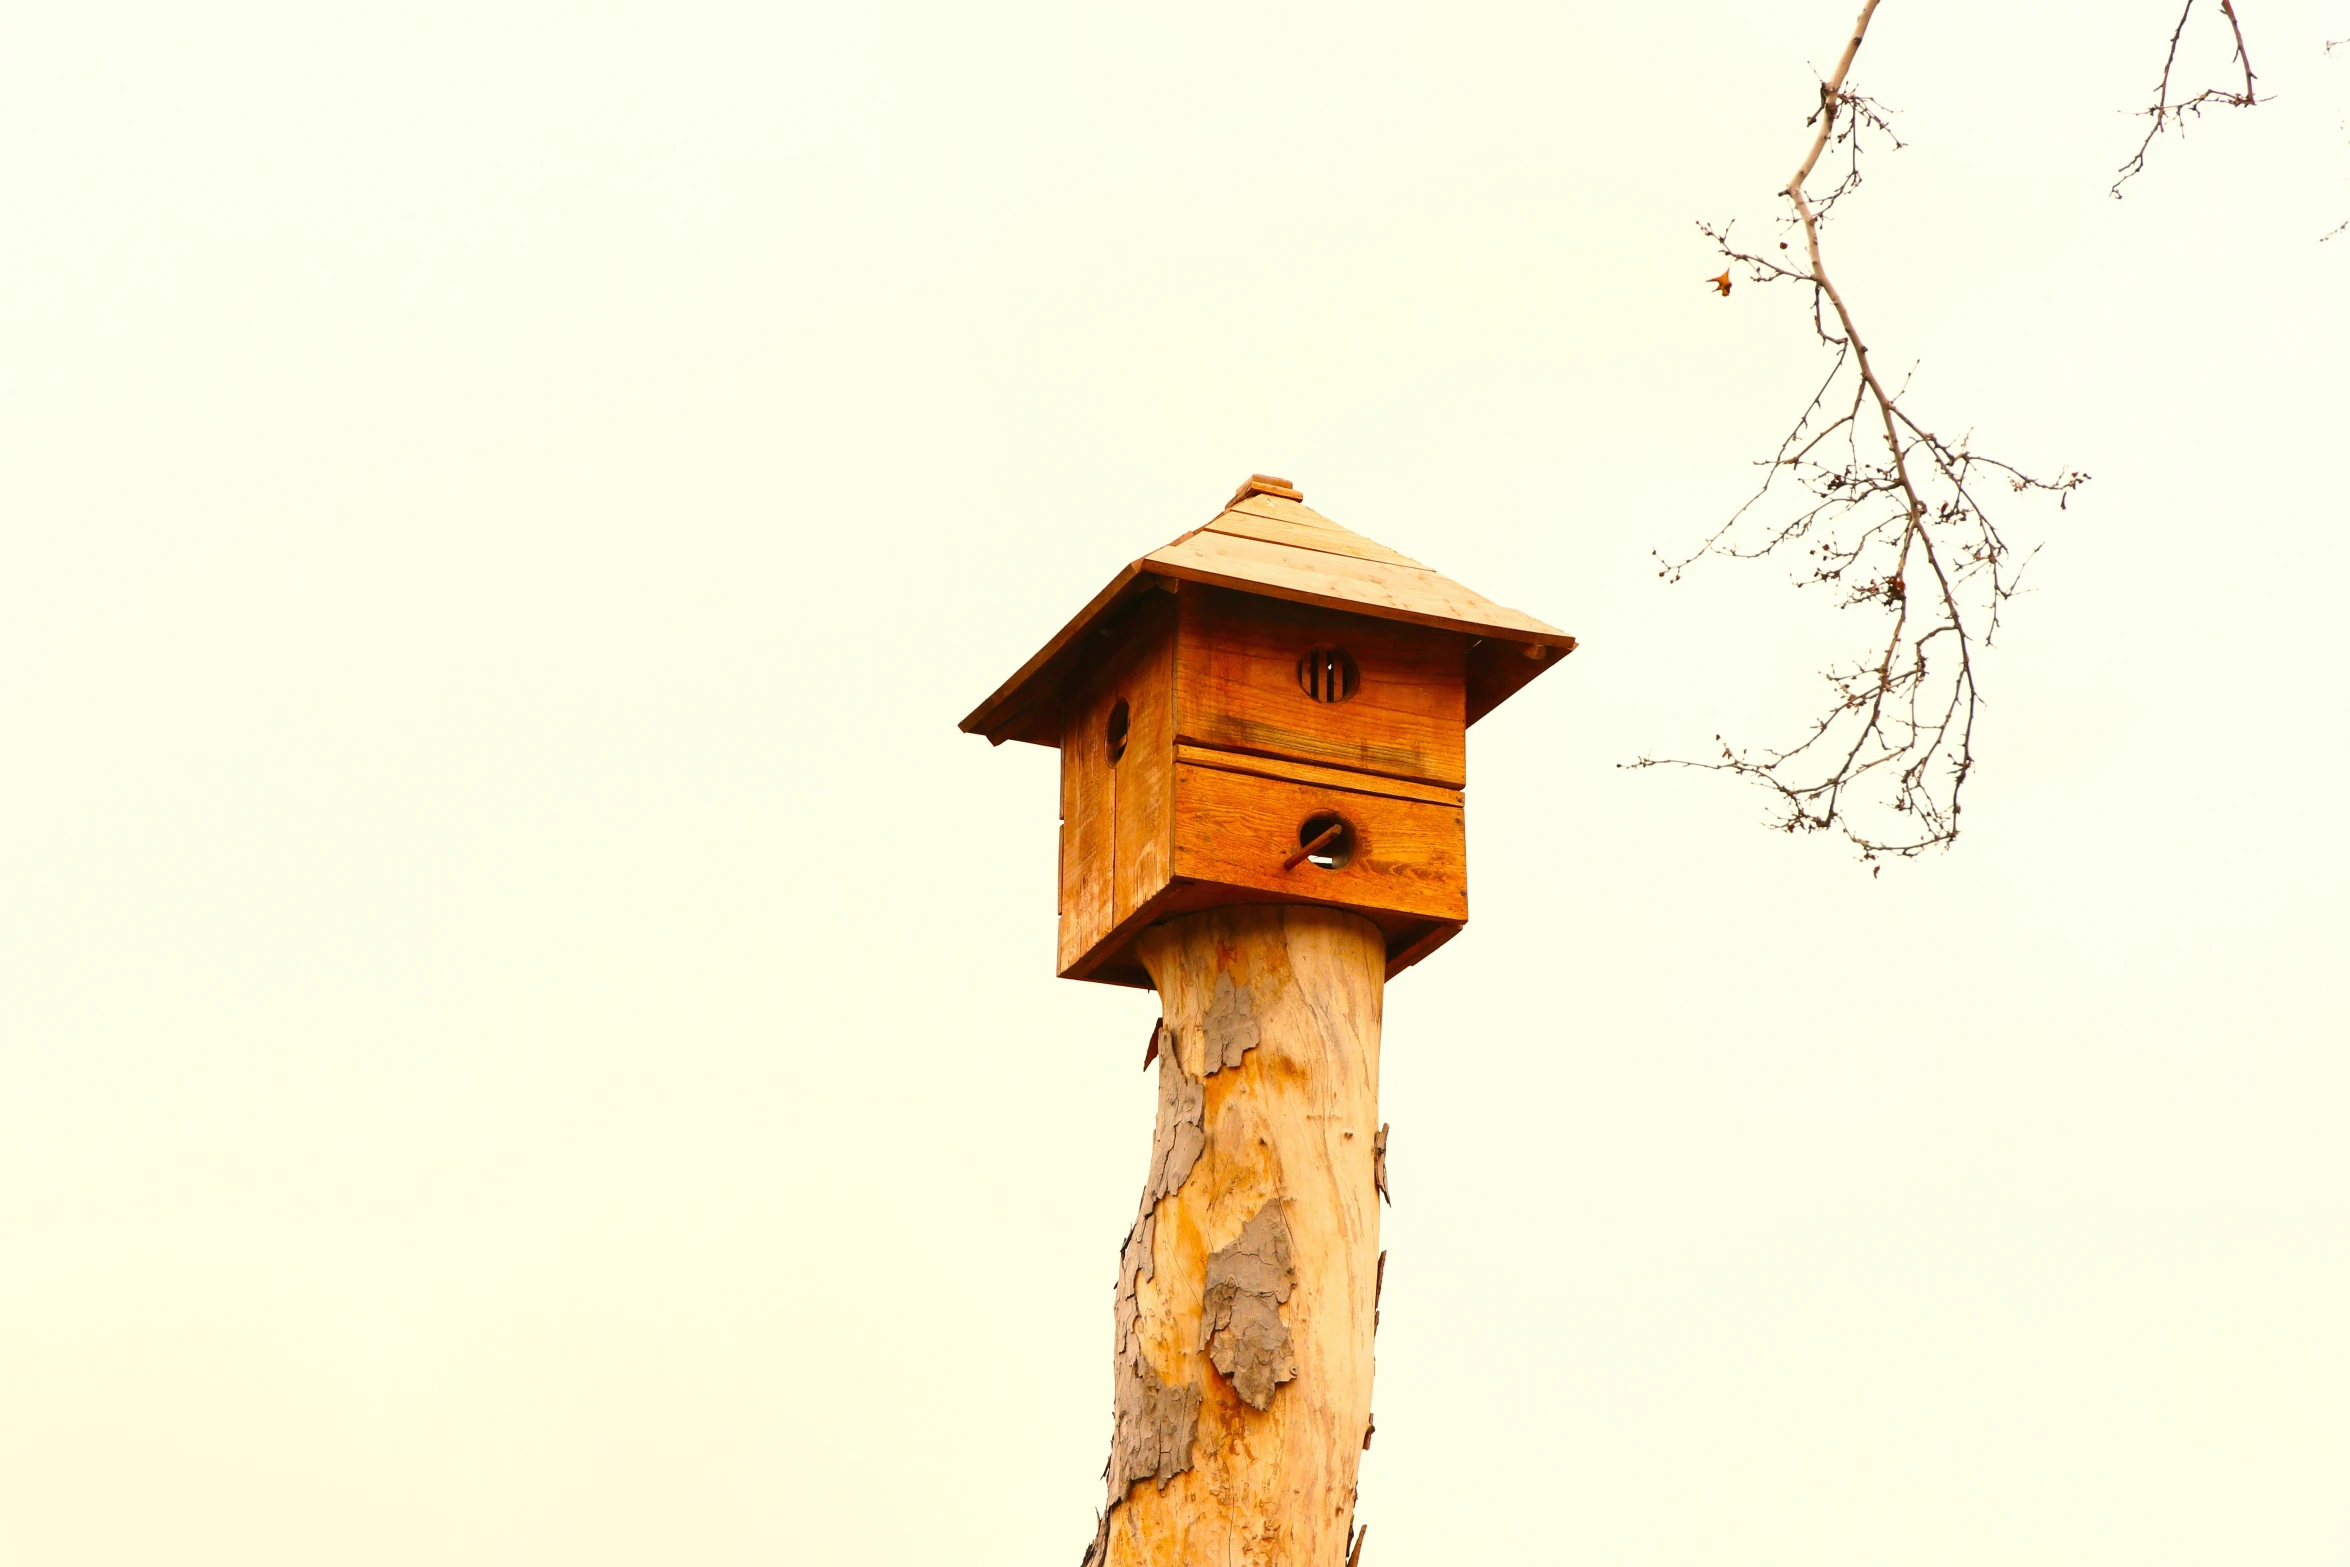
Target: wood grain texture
{"type": "Point", "coordinates": [1328, 537]}
{"type": "Point", "coordinates": [1289, 509]}
{"type": "Point", "coordinates": [1410, 857]}
{"type": "Point", "coordinates": [1339, 540]}
{"type": "Point", "coordinates": [1265, 484]}
{"type": "Point", "coordinates": [1088, 826]}
{"type": "Point", "coordinates": [1237, 688]}
{"type": "Point", "coordinates": [1144, 780]}
{"type": "Point", "coordinates": [1289, 1133]}
{"type": "Point", "coordinates": [1116, 817]}
{"type": "Point", "coordinates": [1115, 960]}
{"type": "Point", "coordinates": [1308, 773]}
{"type": "Point", "coordinates": [1313, 576]}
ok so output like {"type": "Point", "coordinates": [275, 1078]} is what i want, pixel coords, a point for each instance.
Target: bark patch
{"type": "Point", "coordinates": [1182, 1133]}
{"type": "Point", "coordinates": [1157, 1424]}
{"type": "Point", "coordinates": [1178, 1140]}
{"type": "Point", "coordinates": [1241, 1324]}
{"type": "Point", "coordinates": [1230, 1025]}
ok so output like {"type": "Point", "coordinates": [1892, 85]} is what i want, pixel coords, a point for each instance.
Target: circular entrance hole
{"type": "Point", "coordinates": [1119, 720]}
{"type": "Point", "coordinates": [1328, 674]}
{"type": "Point", "coordinates": [1331, 837]}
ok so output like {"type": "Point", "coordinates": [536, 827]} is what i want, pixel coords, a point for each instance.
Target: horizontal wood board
{"type": "Point", "coordinates": [1237, 688]}
{"type": "Point", "coordinates": [1308, 773]}
{"type": "Point", "coordinates": [1410, 857]}
{"type": "Point", "coordinates": [1256, 518]}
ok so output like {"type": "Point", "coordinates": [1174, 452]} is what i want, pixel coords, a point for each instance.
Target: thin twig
{"type": "Point", "coordinates": [2331, 45]}
{"type": "Point", "coordinates": [2164, 114]}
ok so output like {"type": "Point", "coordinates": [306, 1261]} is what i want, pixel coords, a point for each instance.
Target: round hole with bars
{"type": "Point", "coordinates": [1328, 674]}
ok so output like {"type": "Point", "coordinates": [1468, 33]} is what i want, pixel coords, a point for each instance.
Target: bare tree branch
{"type": "Point", "coordinates": [1901, 531]}
{"type": "Point", "coordinates": [2163, 114]}
{"type": "Point", "coordinates": [2331, 45]}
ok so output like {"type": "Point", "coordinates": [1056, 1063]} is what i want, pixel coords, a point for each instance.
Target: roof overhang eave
{"type": "Point", "coordinates": [1011, 713]}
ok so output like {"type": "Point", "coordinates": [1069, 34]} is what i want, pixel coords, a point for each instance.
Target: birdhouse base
{"type": "Point", "coordinates": [1116, 961]}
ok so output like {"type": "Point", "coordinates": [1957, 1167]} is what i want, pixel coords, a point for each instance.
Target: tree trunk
{"type": "Point", "coordinates": [1247, 1287]}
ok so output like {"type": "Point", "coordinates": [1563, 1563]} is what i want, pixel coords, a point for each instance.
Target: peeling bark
{"type": "Point", "coordinates": [1240, 1323]}
{"type": "Point", "coordinates": [1229, 1026]}
{"type": "Point", "coordinates": [1175, 1148]}
{"type": "Point", "coordinates": [1252, 1265]}
{"type": "Point", "coordinates": [1155, 1423]}
{"type": "Point", "coordinates": [1156, 1426]}
{"type": "Point", "coordinates": [1379, 1167]}
{"type": "Point", "coordinates": [1182, 1130]}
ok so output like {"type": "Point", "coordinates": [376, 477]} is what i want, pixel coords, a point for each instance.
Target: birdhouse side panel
{"type": "Point", "coordinates": [1275, 678]}
{"type": "Point", "coordinates": [1117, 757]}
{"type": "Point", "coordinates": [1142, 780]}
{"type": "Point", "coordinates": [1088, 825]}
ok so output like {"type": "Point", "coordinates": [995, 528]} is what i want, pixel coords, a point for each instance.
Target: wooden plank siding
{"type": "Point", "coordinates": [1144, 782]}
{"type": "Point", "coordinates": [1088, 825]}
{"type": "Point", "coordinates": [1311, 531]}
{"type": "Point", "coordinates": [1307, 773]}
{"type": "Point", "coordinates": [1410, 857]}
{"type": "Point", "coordinates": [1237, 688]}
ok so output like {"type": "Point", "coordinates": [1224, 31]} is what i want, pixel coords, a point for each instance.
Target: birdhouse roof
{"type": "Point", "coordinates": [1267, 541]}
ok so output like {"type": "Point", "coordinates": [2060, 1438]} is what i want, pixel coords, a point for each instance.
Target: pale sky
{"type": "Point", "coordinates": [526, 1035]}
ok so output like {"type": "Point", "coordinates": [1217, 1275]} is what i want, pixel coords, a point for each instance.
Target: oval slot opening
{"type": "Point", "coordinates": [1119, 719]}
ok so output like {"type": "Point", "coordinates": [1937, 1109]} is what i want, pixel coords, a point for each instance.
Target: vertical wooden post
{"type": "Point", "coordinates": [1248, 1285]}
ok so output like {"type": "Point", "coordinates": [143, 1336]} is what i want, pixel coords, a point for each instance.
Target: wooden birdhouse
{"type": "Point", "coordinates": [1271, 709]}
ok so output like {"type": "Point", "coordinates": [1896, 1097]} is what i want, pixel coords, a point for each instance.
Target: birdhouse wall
{"type": "Point", "coordinates": [1236, 827]}
{"type": "Point", "coordinates": [1117, 816]}
{"type": "Point", "coordinates": [1238, 687]}
{"type": "Point", "coordinates": [1193, 751]}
